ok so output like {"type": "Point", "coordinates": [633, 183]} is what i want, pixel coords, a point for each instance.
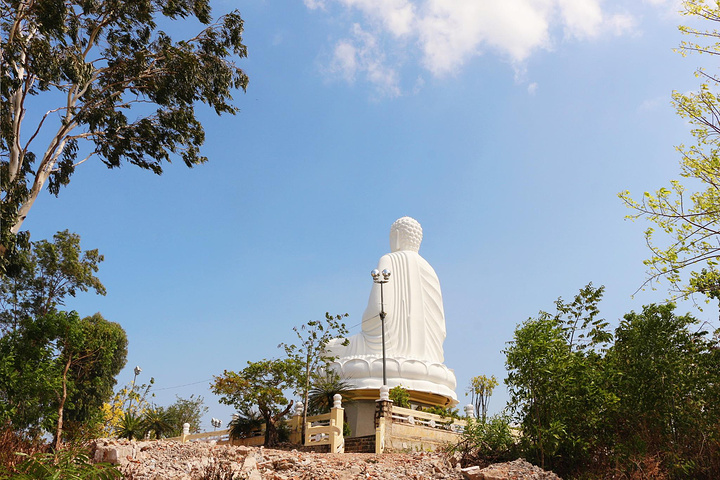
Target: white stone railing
{"type": "Point", "coordinates": [220, 436]}
{"type": "Point", "coordinates": [327, 429]}
{"type": "Point", "coordinates": [431, 420]}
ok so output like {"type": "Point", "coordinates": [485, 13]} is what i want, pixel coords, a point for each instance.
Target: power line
{"type": "Point", "coordinates": [180, 386]}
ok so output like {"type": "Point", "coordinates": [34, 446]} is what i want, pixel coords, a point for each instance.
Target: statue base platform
{"type": "Point", "coordinates": [428, 383]}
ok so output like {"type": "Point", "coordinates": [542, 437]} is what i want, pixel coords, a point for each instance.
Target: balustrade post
{"type": "Point", "coordinates": [383, 418]}
{"type": "Point", "coordinates": [185, 433]}
{"type": "Point", "coordinates": [337, 419]}
{"type": "Point", "coordinates": [469, 411]}
{"type": "Point", "coordinates": [296, 424]}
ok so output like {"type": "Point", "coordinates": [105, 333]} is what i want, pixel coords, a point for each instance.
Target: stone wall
{"type": "Point", "coordinates": [400, 437]}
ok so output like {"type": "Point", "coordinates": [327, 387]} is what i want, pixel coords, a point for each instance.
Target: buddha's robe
{"type": "Point", "coordinates": [415, 321]}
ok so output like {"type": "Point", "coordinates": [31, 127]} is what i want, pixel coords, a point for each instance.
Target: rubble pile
{"type": "Point", "coordinates": [156, 460]}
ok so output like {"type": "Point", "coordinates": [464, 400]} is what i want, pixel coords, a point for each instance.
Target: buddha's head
{"type": "Point", "coordinates": [405, 234]}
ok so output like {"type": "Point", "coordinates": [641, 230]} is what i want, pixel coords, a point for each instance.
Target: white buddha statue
{"type": "Point", "coordinates": [414, 325]}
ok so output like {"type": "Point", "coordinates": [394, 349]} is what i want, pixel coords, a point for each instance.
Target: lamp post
{"type": "Point", "coordinates": [382, 281]}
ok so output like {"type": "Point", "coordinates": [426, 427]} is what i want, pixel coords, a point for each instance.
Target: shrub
{"type": "Point", "coordinates": [65, 464]}
{"type": "Point", "coordinates": [400, 397]}
{"type": "Point", "coordinates": [486, 442]}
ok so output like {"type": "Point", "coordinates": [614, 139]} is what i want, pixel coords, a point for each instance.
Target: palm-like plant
{"type": "Point", "coordinates": [243, 425]}
{"type": "Point", "coordinates": [156, 421]}
{"type": "Point", "coordinates": [130, 426]}
{"type": "Point", "coordinates": [320, 399]}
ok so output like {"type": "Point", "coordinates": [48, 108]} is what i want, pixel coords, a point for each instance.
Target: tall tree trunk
{"type": "Point", "coordinates": [271, 434]}
{"type": "Point", "coordinates": [61, 405]}
{"type": "Point", "coordinates": [272, 437]}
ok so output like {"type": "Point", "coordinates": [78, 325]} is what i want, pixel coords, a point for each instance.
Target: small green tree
{"type": "Point", "coordinates": [260, 385]}
{"type": "Point", "coordinates": [311, 352]}
{"type": "Point", "coordinates": [642, 401]}
{"type": "Point", "coordinates": [488, 441]}
{"type": "Point", "coordinates": [667, 373]}
{"type": "Point", "coordinates": [102, 356]}
{"type": "Point", "coordinates": [558, 388]}
{"type": "Point", "coordinates": [131, 426]}
{"type": "Point", "coordinates": [185, 410]}
{"type": "Point", "coordinates": [62, 358]}
{"type": "Point", "coordinates": [400, 396]}
{"type": "Point", "coordinates": [47, 274]}
{"type": "Point", "coordinates": [480, 390]}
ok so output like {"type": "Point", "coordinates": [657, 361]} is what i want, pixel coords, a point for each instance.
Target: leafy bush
{"type": "Point", "coordinates": [486, 442]}
{"type": "Point", "coordinates": [70, 464]}
{"type": "Point", "coordinates": [641, 399]}
{"type": "Point", "coordinates": [400, 397]}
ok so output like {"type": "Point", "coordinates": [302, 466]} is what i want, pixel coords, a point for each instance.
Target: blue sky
{"type": "Point", "coordinates": [505, 128]}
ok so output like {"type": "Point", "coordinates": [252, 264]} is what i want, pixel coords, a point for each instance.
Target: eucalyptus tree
{"type": "Point", "coordinates": [84, 79]}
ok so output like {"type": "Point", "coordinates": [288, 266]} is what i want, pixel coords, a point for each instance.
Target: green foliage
{"type": "Point", "coordinates": [556, 383]}
{"type": "Point", "coordinates": [156, 423]}
{"type": "Point", "coordinates": [400, 397]}
{"type": "Point", "coordinates": [45, 274]}
{"type": "Point", "coordinates": [245, 425]}
{"type": "Point", "coordinates": [261, 385]}
{"type": "Point", "coordinates": [113, 85]}
{"type": "Point", "coordinates": [480, 390]}
{"type": "Point", "coordinates": [185, 410]}
{"type": "Point", "coordinates": [310, 352]}
{"type": "Point", "coordinates": [645, 402]}
{"type": "Point", "coordinates": [69, 464]}
{"type": "Point", "coordinates": [100, 359]}
{"type": "Point", "coordinates": [131, 426]}
{"type": "Point", "coordinates": [666, 373]}
{"type": "Point", "coordinates": [685, 232]}
{"type": "Point", "coordinates": [61, 367]}
{"type": "Point", "coordinates": [320, 398]}
{"type": "Point", "coordinates": [486, 441]}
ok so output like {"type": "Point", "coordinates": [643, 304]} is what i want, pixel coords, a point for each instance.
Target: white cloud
{"type": "Point", "coordinates": [345, 60]}
{"type": "Point", "coordinates": [362, 55]}
{"type": "Point", "coordinates": [532, 88]}
{"type": "Point", "coordinates": [621, 24]}
{"type": "Point", "coordinates": [397, 16]}
{"type": "Point", "coordinates": [452, 32]}
{"type": "Point", "coordinates": [444, 34]}
{"type": "Point", "coordinates": [315, 4]}
{"type": "Point", "coordinates": [582, 18]}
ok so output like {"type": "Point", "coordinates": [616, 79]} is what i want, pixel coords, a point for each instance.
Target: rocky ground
{"type": "Point", "coordinates": [158, 460]}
